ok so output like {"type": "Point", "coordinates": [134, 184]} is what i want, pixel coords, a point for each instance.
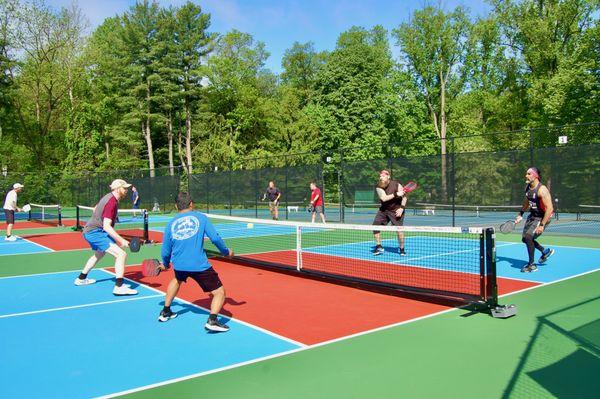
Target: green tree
{"type": "Point", "coordinates": [48, 43]}
{"type": "Point", "coordinates": [555, 46]}
{"type": "Point", "coordinates": [239, 109]}
{"type": "Point", "coordinates": [349, 105]}
{"type": "Point", "coordinates": [434, 45]}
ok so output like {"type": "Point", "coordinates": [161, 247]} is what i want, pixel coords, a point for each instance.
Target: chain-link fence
{"type": "Point", "coordinates": [479, 181]}
{"type": "Point", "coordinates": [156, 190]}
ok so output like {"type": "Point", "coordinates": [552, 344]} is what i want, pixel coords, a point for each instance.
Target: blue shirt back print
{"type": "Point", "coordinates": [183, 242]}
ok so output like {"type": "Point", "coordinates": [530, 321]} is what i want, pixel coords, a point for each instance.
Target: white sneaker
{"type": "Point", "coordinates": [85, 281]}
{"type": "Point", "coordinates": [124, 290]}
{"type": "Point", "coordinates": [11, 238]}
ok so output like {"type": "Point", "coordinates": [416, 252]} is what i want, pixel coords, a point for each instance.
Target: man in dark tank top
{"type": "Point", "coordinates": [539, 203]}
{"type": "Point", "coordinates": [391, 210]}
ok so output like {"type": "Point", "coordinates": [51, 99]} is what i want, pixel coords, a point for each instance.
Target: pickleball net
{"type": "Point", "coordinates": [46, 214]}
{"type": "Point", "coordinates": [130, 223]}
{"type": "Point", "coordinates": [447, 262]}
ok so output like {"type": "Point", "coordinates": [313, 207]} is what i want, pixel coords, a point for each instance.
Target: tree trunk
{"type": "Point", "coordinates": [147, 132]}
{"type": "Point", "coordinates": [170, 142]}
{"type": "Point", "coordinates": [188, 136]}
{"type": "Point", "coordinates": [179, 151]}
{"type": "Point", "coordinates": [443, 127]}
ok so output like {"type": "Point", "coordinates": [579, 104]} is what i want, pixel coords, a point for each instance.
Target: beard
{"type": "Point", "coordinates": [382, 184]}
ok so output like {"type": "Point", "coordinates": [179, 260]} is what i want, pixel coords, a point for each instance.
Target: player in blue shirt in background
{"type": "Point", "coordinates": [183, 248]}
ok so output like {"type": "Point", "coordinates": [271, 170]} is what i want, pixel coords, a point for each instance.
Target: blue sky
{"type": "Point", "coordinates": [279, 23]}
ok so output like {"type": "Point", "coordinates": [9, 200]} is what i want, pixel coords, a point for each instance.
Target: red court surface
{"type": "Point", "coordinates": [72, 240]}
{"type": "Point", "coordinates": [305, 310]}
{"type": "Point", "coordinates": [35, 225]}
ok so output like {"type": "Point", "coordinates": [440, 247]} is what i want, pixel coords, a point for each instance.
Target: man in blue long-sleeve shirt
{"type": "Point", "coordinates": [183, 247]}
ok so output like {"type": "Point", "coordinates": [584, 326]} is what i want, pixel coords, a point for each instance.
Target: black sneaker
{"type": "Point", "coordinates": [166, 315]}
{"type": "Point", "coordinates": [402, 252]}
{"type": "Point", "coordinates": [546, 254]}
{"type": "Point", "coordinates": [378, 250]}
{"type": "Point", "coordinates": [214, 325]}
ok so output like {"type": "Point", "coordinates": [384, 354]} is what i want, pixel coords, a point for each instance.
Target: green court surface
{"type": "Point", "coordinates": [551, 349]}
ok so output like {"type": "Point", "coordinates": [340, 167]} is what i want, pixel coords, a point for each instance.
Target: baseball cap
{"type": "Point", "coordinates": [18, 185]}
{"type": "Point", "coordinates": [118, 183]}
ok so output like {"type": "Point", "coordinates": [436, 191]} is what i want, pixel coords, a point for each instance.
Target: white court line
{"type": "Point", "coordinates": [39, 245]}
{"type": "Point", "coordinates": [543, 284]}
{"type": "Point", "coordinates": [40, 274]}
{"type": "Point", "coordinates": [233, 366]}
{"type": "Point", "coordinates": [77, 306]}
{"type": "Point", "coordinates": [282, 354]}
{"type": "Point", "coordinates": [29, 253]}
{"type": "Point", "coordinates": [281, 337]}
{"type": "Point", "coordinates": [402, 261]}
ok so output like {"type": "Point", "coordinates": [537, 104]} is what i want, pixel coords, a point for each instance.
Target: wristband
{"type": "Point", "coordinates": [521, 213]}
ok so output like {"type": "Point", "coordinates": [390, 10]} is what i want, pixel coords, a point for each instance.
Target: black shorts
{"type": "Point", "coordinates": [208, 279]}
{"type": "Point", "coordinates": [10, 216]}
{"type": "Point", "coordinates": [531, 224]}
{"type": "Point", "coordinates": [318, 209]}
{"type": "Point", "coordinates": [384, 217]}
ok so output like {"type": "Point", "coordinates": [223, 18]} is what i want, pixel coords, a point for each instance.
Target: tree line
{"type": "Point", "coordinates": [156, 87]}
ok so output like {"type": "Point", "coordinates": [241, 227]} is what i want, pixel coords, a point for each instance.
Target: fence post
{"type": "Point", "coordinates": [230, 174]}
{"type": "Point", "coordinates": [256, 192]}
{"type": "Point", "coordinates": [341, 187]}
{"type": "Point", "coordinates": [285, 161]}
{"type": "Point", "coordinates": [531, 146]}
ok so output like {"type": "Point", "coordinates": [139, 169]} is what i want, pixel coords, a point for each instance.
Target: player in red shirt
{"type": "Point", "coordinates": [316, 202]}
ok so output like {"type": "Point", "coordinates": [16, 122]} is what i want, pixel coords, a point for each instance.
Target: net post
{"type": "Point", "coordinates": [29, 218]}
{"type": "Point", "coordinates": [59, 215]}
{"type": "Point", "coordinates": [77, 218]}
{"type": "Point", "coordinates": [146, 230]}
{"type": "Point", "coordinates": [482, 266]}
{"type": "Point", "coordinates": [491, 289]}
{"type": "Point", "coordinates": [299, 248]}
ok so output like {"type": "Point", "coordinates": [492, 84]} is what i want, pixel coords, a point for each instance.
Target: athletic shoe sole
{"type": "Point", "coordinates": [163, 319]}
{"type": "Point", "coordinates": [216, 328]}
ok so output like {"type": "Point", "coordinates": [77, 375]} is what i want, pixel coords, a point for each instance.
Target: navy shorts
{"type": "Point", "coordinates": [208, 279]}
{"type": "Point", "coordinates": [10, 216]}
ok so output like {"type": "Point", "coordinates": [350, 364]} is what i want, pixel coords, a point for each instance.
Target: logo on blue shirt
{"type": "Point", "coordinates": [185, 227]}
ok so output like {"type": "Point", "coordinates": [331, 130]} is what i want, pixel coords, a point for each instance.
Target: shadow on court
{"type": "Point", "coordinates": [562, 358]}
{"type": "Point", "coordinates": [181, 308]}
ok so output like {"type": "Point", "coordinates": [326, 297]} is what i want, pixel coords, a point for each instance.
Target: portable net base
{"type": "Point", "coordinates": [131, 223]}
{"type": "Point", "coordinates": [446, 264]}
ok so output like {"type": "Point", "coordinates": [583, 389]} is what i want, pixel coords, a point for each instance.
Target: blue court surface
{"type": "Point", "coordinates": [59, 340]}
{"type": "Point", "coordinates": [21, 246]}
{"type": "Point", "coordinates": [566, 262]}
{"type": "Point", "coordinates": [460, 255]}
{"type": "Point", "coordinates": [427, 252]}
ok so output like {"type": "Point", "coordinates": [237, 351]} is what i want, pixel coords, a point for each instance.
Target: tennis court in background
{"type": "Point", "coordinates": [285, 329]}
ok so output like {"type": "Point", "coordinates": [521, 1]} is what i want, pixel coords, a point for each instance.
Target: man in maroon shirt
{"type": "Point", "coordinates": [316, 202]}
{"type": "Point", "coordinates": [99, 232]}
